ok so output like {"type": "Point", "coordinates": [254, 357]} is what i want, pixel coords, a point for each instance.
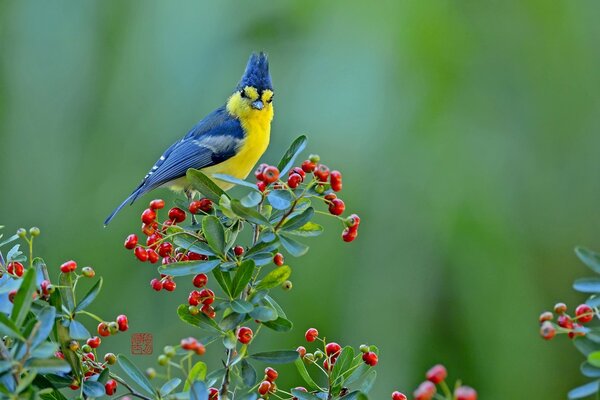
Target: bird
{"type": "Point", "coordinates": [230, 140]}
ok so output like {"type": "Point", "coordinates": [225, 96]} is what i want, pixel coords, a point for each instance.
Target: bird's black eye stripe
{"type": "Point", "coordinates": [243, 94]}
{"type": "Point", "coordinates": [271, 99]}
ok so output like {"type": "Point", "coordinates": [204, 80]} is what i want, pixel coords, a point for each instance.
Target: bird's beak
{"type": "Point", "coordinates": [257, 105]}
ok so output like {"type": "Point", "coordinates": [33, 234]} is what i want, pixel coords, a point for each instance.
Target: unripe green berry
{"type": "Point", "coordinates": [86, 348]}
{"type": "Point", "coordinates": [169, 351]}
{"type": "Point", "coordinates": [110, 358]}
{"type": "Point", "coordinates": [151, 373]}
{"type": "Point", "coordinates": [22, 233]}
{"type": "Point", "coordinates": [309, 357]}
{"type": "Point", "coordinates": [51, 289]}
{"type": "Point", "coordinates": [314, 158]}
{"type": "Point", "coordinates": [113, 327]}
{"type": "Point", "coordinates": [319, 354]}
{"type": "Point", "coordinates": [163, 360]}
{"type": "Point", "coordinates": [364, 348]}
{"type": "Point", "coordinates": [320, 189]}
{"type": "Point", "coordinates": [287, 285]}
{"type": "Point", "coordinates": [194, 310]}
{"type": "Point", "coordinates": [34, 231]}
{"type": "Point", "coordinates": [88, 272]}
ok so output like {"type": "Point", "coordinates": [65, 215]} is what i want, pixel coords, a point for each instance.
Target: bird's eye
{"type": "Point", "coordinates": [271, 99]}
{"type": "Point", "coordinates": [243, 94]}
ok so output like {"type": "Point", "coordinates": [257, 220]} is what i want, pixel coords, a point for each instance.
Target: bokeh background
{"type": "Point", "coordinates": [467, 132]}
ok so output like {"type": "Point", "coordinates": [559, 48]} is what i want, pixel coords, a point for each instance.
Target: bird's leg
{"type": "Point", "coordinates": [190, 195]}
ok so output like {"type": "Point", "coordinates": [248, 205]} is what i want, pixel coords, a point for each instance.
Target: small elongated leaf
{"type": "Point", "coordinates": [369, 381]}
{"type": "Point", "coordinates": [49, 365]}
{"type": "Point", "coordinates": [310, 229]}
{"type": "Point", "coordinates": [214, 234]}
{"type": "Point", "coordinates": [93, 388]}
{"type": "Point", "coordinates": [293, 246]}
{"type": "Point", "coordinates": [248, 374]}
{"type": "Point", "coordinates": [342, 364]}
{"type": "Point", "coordinates": [262, 313]}
{"type": "Point", "coordinates": [593, 301]}
{"type": "Point", "coordinates": [280, 325]}
{"type": "Point", "coordinates": [584, 345]}
{"type": "Point", "coordinates": [183, 268]}
{"type": "Point", "coordinates": [242, 277]}
{"type": "Point", "coordinates": [46, 321]}
{"type": "Point", "coordinates": [589, 370]}
{"type": "Point", "coordinates": [135, 374]}
{"type": "Point", "coordinates": [169, 386]}
{"type": "Point", "coordinates": [200, 320]}
{"type": "Point", "coordinates": [223, 278]}
{"type": "Point", "coordinates": [204, 185]}
{"type": "Point", "coordinates": [305, 375]}
{"type": "Point", "coordinates": [263, 247]}
{"type": "Point", "coordinates": [587, 285]}
{"type": "Point", "coordinates": [583, 391]}
{"type": "Point", "coordinates": [261, 259]}
{"type": "Point", "coordinates": [26, 381]}
{"type": "Point", "coordinates": [287, 161]}
{"type": "Point", "coordinates": [275, 306]}
{"type": "Point", "coordinates": [589, 258]}
{"type": "Point", "coordinates": [299, 220]}
{"type": "Point", "coordinates": [280, 199]}
{"type": "Point", "coordinates": [8, 328]}
{"type": "Point", "coordinates": [252, 199]}
{"type": "Point", "coordinates": [9, 240]}
{"type": "Point", "coordinates": [90, 296]}
{"type": "Point", "coordinates": [78, 331]}
{"type": "Point", "coordinates": [198, 372]}
{"type": "Point", "coordinates": [235, 181]}
{"type": "Point", "coordinates": [191, 243]}
{"type": "Point", "coordinates": [231, 321]}
{"type": "Point", "coordinates": [275, 278]}
{"type": "Point", "coordinates": [356, 395]}
{"type": "Point", "coordinates": [249, 214]}
{"type": "Point", "coordinates": [44, 350]}
{"type": "Point", "coordinates": [594, 358]}
{"type": "Point", "coordinates": [24, 297]}
{"type": "Point", "coordinates": [277, 357]}
{"type": "Point", "coordinates": [199, 391]}
{"type": "Point", "coordinates": [66, 295]}
{"type": "Point", "coordinates": [304, 395]}
{"type": "Point", "coordinates": [241, 306]}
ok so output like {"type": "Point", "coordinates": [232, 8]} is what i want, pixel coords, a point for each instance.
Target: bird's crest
{"type": "Point", "coordinates": [257, 73]}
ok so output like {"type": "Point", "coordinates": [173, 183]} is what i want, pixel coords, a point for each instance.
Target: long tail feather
{"type": "Point", "coordinates": [137, 192]}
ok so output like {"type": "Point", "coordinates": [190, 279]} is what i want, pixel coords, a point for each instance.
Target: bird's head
{"type": "Point", "coordinates": [253, 96]}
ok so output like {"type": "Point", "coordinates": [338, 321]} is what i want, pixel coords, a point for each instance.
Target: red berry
{"type": "Point", "coordinates": [271, 374]}
{"type": "Point", "coordinates": [560, 308]}
{"type": "Point", "coordinates": [546, 316]}
{"type": "Point", "coordinates": [103, 329]}
{"type": "Point", "coordinates": [213, 394]}
{"type": "Point", "coordinates": [152, 240]}
{"type": "Point", "coordinates": [261, 185]}
{"type": "Point", "coordinates": [196, 256]}
{"type": "Point", "coordinates": [278, 259]}
{"type": "Point", "coordinates": [327, 365]}
{"type": "Point", "coordinates": [131, 241]}
{"type": "Point", "coordinates": [156, 284]}
{"type": "Point", "coordinates": [16, 268]}
{"type": "Point", "coordinates": [110, 387]}
{"type": "Point", "coordinates": [152, 256]}
{"type": "Point", "coordinates": [169, 285]}
{"type": "Point", "coordinates": [301, 351]}
{"type": "Point", "coordinates": [148, 216]}
{"type": "Point", "coordinates": [208, 311]}
{"type": "Point", "coordinates": [399, 396]}
{"type": "Point", "coordinates": [200, 280]}
{"type": "Point", "coordinates": [437, 374]}
{"type": "Point", "coordinates": [259, 172]}
{"type": "Point", "coordinates": [336, 180]}
{"type": "Point", "coordinates": [122, 322]}
{"type": "Point", "coordinates": [465, 393]}
{"type": "Point", "coordinates": [206, 205]}
{"type": "Point", "coordinates": [165, 249]}
{"type": "Point", "coordinates": [311, 335]}
{"type": "Point", "coordinates": [238, 250]}
{"type": "Point", "coordinates": [157, 204]}
{"type": "Point", "coordinates": [584, 313]}
{"type": "Point", "coordinates": [425, 391]}
{"type": "Point", "coordinates": [93, 342]}
{"type": "Point", "coordinates": [69, 266]}
{"type": "Point", "coordinates": [294, 181]}
{"type": "Point", "coordinates": [264, 387]}
{"type": "Point", "coordinates": [370, 358]}
{"type": "Point", "coordinates": [270, 174]}
{"type": "Point", "coordinates": [565, 321]}
{"type": "Point", "coordinates": [44, 287]}
{"type": "Point", "coordinates": [177, 214]}
{"type": "Point", "coordinates": [308, 166]}
{"type": "Point", "coordinates": [333, 349]}
{"type": "Point", "coordinates": [349, 234]}
{"type": "Point", "coordinates": [194, 207]}
{"type": "Point", "coordinates": [322, 172]}
{"type": "Point", "coordinates": [353, 221]}
{"type": "Point", "coordinates": [141, 254]}
{"type": "Point", "coordinates": [189, 343]}
{"type": "Point", "coordinates": [194, 298]}
{"type": "Point", "coordinates": [244, 335]}
{"type": "Point", "coordinates": [206, 296]}
{"type": "Point", "coordinates": [337, 207]}
{"type": "Point", "coordinates": [547, 330]}
{"type": "Point", "coordinates": [11, 295]}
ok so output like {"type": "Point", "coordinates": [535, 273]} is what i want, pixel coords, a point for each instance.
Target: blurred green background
{"type": "Point", "coordinates": [467, 132]}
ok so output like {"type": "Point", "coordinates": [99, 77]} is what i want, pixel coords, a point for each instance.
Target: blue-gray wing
{"type": "Point", "coordinates": [212, 141]}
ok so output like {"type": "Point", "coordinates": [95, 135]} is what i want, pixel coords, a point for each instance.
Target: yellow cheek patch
{"type": "Point", "coordinates": [251, 93]}
{"type": "Point", "coordinates": [267, 96]}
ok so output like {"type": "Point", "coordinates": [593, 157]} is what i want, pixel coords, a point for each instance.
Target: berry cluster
{"type": "Point", "coordinates": [120, 324]}
{"type": "Point", "coordinates": [572, 326]}
{"type": "Point", "coordinates": [186, 348]}
{"type": "Point", "coordinates": [437, 375]}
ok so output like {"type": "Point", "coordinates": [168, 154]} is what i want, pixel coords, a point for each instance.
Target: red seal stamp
{"type": "Point", "coordinates": [141, 344]}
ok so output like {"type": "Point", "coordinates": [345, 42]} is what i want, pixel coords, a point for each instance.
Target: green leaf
{"type": "Point", "coordinates": [343, 362]}
{"type": "Point", "coordinates": [276, 357]}
{"type": "Point", "coordinates": [310, 229]}
{"type": "Point", "coordinates": [191, 243]}
{"type": "Point", "coordinates": [252, 199]}
{"type": "Point", "coordinates": [235, 181]}
{"type": "Point", "coordinates": [90, 296]}
{"type": "Point", "coordinates": [24, 298]}
{"type": "Point", "coordinates": [231, 321]}
{"type": "Point", "coordinates": [262, 313]}
{"type": "Point", "coordinates": [249, 214]}
{"type": "Point", "coordinates": [66, 294]}
{"type": "Point", "coordinates": [8, 328]}
{"type": "Point", "coordinates": [46, 320]}
{"type": "Point", "coordinates": [287, 161]}
{"type": "Point", "coordinates": [183, 268]}
{"type": "Point", "coordinates": [198, 372]}
{"type": "Point", "coordinates": [589, 370]}
{"type": "Point", "coordinates": [169, 386]}
{"type": "Point", "coordinates": [583, 391]}
{"type": "Point", "coordinates": [9, 240]}
{"type": "Point", "coordinates": [224, 280]}
{"type": "Point", "coordinates": [104, 375]}
{"type": "Point", "coordinates": [584, 345]}
{"type": "Point", "coordinates": [199, 391]}
{"type": "Point", "coordinates": [26, 381]}
{"type": "Point", "coordinates": [261, 259]}
{"type": "Point", "coordinates": [93, 389]}
{"type": "Point", "coordinates": [280, 199]}
{"type": "Point", "coordinates": [587, 285]}
{"type": "Point", "coordinates": [78, 331]}
{"type": "Point", "coordinates": [248, 396]}
{"type": "Point", "coordinates": [280, 325]}
{"type": "Point", "coordinates": [263, 247]}
{"type": "Point", "coordinates": [135, 374]}
{"type": "Point", "coordinates": [45, 350]}
{"type": "Point", "coordinates": [293, 246]}
{"type": "Point", "coordinates": [589, 258]}
{"type": "Point", "coordinates": [242, 277]}
{"type": "Point", "coordinates": [594, 358]}
{"type": "Point", "coordinates": [305, 375]}
{"type": "Point", "coordinates": [230, 340]}
{"type": "Point", "coordinates": [49, 365]}
{"type": "Point", "coordinates": [275, 278]}
{"type": "Point", "coordinates": [275, 306]}
{"type": "Point", "coordinates": [214, 234]}
{"type": "Point", "coordinates": [204, 185]}
{"type": "Point", "coordinates": [304, 395]}
{"type": "Point", "coordinates": [200, 320]}
{"type": "Point", "coordinates": [248, 374]}
{"type": "Point", "coordinates": [369, 381]}
{"type": "Point", "coordinates": [241, 306]}
{"type": "Point", "coordinates": [356, 395]}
